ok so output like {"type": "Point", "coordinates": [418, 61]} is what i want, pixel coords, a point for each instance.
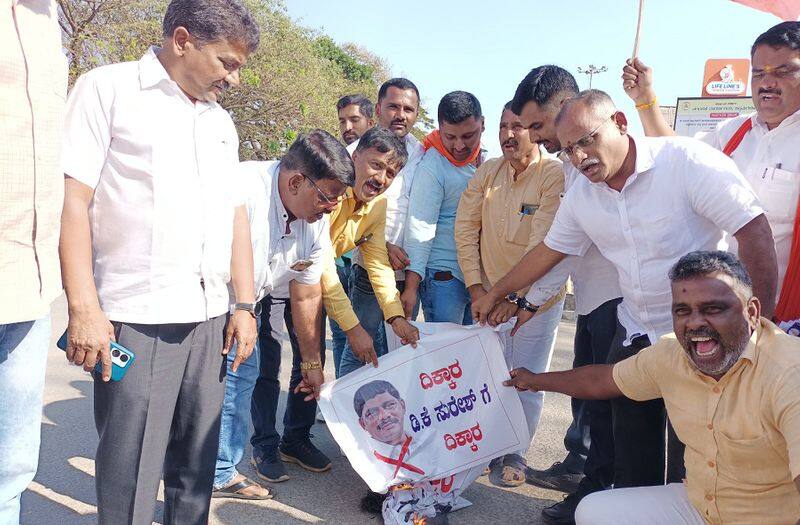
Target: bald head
{"type": "Point", "coordinates": [592, 103]}
{"type": "Point", "coordinates": [593, 134]}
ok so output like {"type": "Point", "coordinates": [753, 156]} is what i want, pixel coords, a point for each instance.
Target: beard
{"type": "Point", "coordinates": [730, 350]}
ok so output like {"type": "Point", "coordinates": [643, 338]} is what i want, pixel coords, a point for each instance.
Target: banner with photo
{"type": "Point", "coordinates": [427, 413]}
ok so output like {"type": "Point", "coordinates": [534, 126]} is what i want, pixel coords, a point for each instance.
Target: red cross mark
{"type": "Point", "coordinates": [398, 463]}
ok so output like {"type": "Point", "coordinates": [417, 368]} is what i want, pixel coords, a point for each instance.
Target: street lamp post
{"type": "Point", "coordinates": [592, 70]}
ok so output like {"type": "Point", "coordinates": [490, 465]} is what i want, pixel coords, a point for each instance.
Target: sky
{"type": "Point", "coordinates": [487, 47]}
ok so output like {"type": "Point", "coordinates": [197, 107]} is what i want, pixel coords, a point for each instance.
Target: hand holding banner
{"type": "Point", "coordinates": [427, 413]}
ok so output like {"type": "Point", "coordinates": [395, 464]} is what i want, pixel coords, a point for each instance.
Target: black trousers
{"type": "Point", "coordinates": [590, 436]}
{"type": "Point", "coordinates": [298, 418]}
{"type": "Point", "coordinates": [640, 431]}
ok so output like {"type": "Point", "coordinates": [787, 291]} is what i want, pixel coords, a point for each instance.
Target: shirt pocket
{"type": "Point", "coordinates": [750, 461]}
{"type": "Point", "coordinates": [519, 229]}
{"type": "Point", "coordinates": [779, 190]}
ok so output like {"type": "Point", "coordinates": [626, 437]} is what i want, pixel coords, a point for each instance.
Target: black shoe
{"type": "Point", "coordinates": [268, 467]}
{"type": "Point", "coordinates": [373, 502]}
{"type": "Point", "coordinates": [557, 477]}
{"type": "Point", "coordinates": [563, 512]}
{"type": "Point", "coordinates": [305, 454]}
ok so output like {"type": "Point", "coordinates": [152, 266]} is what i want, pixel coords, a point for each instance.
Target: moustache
{"type": "Point", "coordinates": [767, 91]}
{"type": "Point", "coordinates": [588, 162]}
{"type": "Point", "coordinates": [510, 142]}
{"type": "Point", "coordinates": [702, 332]}
{"type": "Point", "coordinates": [387, 421]}
{"type": "Point", "coordinates": [399, 122]}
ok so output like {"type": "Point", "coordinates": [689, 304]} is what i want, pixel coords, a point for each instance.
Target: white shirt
{"type": "Point", "coordinates": [680, 198]}
{"type": "Point", "coordinates": [161, 168]}
{"type": "Point", "coordinates": [274, 250]}
{"type": "Point", "coordinates": [770, 161]}
{"type": "Point", "coordinates": [595, 279]}
{"type": "Point", "coordinates": [397, 197]}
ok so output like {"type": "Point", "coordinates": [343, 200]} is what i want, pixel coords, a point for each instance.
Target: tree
{"type": "Point", "coordinates": [289, 85]}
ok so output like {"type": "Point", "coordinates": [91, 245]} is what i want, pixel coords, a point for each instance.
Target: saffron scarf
{"type": "Point", "coordinates": [434, 140]}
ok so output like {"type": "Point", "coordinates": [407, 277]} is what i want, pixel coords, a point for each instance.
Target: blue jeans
{"type": "Point", "coordinates": [254, 391]}
{"type": "Point", "coordinates": [369, 314]}
{"type": "Point", "coordinates": [444, 300]}
{"type": "Point", "coordinates": [235, 420]}
{"type": "Point", "coordinates": [337, 334]}
{"type": "Point", "coordinates": [23, 359]}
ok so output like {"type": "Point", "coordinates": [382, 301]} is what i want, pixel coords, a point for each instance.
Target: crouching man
{"type": "Point", "coordinates": [729, 379]}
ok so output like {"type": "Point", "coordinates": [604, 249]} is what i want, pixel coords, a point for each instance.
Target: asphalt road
{"type": "Point", "coordinates": [63, 490]}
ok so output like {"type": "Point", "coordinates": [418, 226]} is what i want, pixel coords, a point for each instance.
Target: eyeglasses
{"type": "Point", "coordinates": [329, 201]}
{"type": "Point", "coordinates": [585, 141]}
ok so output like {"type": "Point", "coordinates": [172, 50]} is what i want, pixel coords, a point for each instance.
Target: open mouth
{"type": "Point", "coordinates": [510, 145]}
{"type": "Point", "coordinates": [769, 97]}
{"type": "Point", "coordinates": [704, 347]}
{"type": "Point", "coordinates": [372, 188]}
{"type": "Point", "coordinates": [590, 167]}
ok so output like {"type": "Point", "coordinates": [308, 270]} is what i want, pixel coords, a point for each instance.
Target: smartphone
{"type": "Point", "coordinates": [121, 358]}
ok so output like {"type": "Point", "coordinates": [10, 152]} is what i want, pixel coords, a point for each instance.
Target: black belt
{"type": "Point", "coordinates": [443, 276]}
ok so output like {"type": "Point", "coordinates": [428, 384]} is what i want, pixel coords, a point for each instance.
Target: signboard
{"type": "Point", "coordinates": [430, 413]}
{"type": "Point", "coordinates": [726, 77]}
{"type": "Point", "coordinates": [694, 115]}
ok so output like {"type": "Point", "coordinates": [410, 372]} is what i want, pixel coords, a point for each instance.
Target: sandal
{"type": "Point", "coordinates": [235, 491]}
{"type": "Point", "coordinates": [510, 472]}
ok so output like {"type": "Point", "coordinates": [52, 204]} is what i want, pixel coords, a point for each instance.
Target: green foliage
{"type": "Point", "coordinates": [288, 86]}
{"type": "Point", "coordinates": [351, 69]}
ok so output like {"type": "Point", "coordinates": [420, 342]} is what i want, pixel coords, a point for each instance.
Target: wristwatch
{"type": "Point", "coordinates": [310, 365]}
{"type": "Point", "coordinates": [253, 308]}
{"type": "Point", "coordinates": [523, 304]}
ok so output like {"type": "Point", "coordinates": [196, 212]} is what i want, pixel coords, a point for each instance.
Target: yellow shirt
{"type": "Point", "coordinates": [348, 226]}
{"type": "Point", "coordinates": [742, 434]}
{"type": "Point", "coordinates": [33, 90]}
{"type": "Point", "coordinates": [491, 233]}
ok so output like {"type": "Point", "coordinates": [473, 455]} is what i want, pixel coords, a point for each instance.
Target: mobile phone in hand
{"type": "Point", "coordinates": [121, 358]}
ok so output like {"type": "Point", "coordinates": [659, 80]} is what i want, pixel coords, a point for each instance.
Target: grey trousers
{"type": "Point", "coordinates": [162, 417]}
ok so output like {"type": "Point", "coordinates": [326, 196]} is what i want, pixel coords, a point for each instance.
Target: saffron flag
{"type": "Point", "coordinates": [788, 10]}
{"type": "Point", "coordinates": [429, 414]}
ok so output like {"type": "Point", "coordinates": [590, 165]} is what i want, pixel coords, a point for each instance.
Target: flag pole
{"type": "Point", "coordinates": [638, 30]}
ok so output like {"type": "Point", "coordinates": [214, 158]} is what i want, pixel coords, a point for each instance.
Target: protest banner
{"type": "Point", "coordinates": [427, 413]}
{"type": "Point", "coordinates": [693, 115]}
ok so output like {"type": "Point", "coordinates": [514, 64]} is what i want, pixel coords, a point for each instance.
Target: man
{"type": "Point", "coordinates": [700, 195]}
{"type": "Point", "coordinates": [381, 412]}
{"type": "Point", "coordinates": [360, 221]}
{"type": "Point", "coordinates": [589, 440]}
{"type": "Point", "coordinates": [286, 203]}
{"type": "Point", "coordinates": [355, 117]}
{"type": "Point", "coordinates": [505, 211]}
{"type": "Point", "coordinates": [729, 378]}
{"type": "Point", "coordinates": [397, 110]}
{"type": "Point", "coordinates": [33, 84]}
{"type": "Point", "coordinates": [763, 144]}
{"type": "Point", "coordinates": [453, 154]}
{"type": "Point", "coordinates": [153, 230]}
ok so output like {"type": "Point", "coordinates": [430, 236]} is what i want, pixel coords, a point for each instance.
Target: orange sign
{"type": "Point", "coordinates": [726, 77]}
